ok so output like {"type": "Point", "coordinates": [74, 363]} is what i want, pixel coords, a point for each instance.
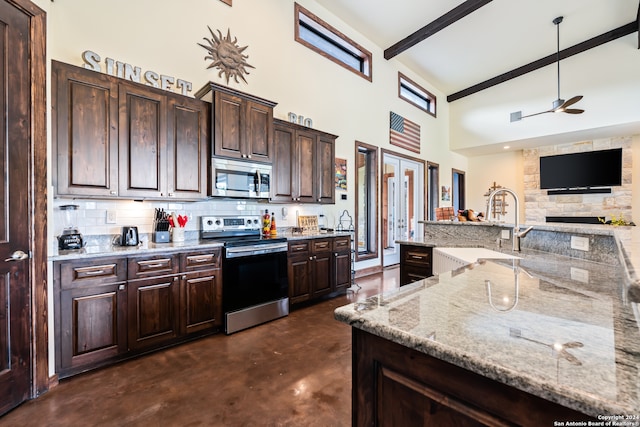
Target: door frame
{"type": "Point", "coordinates": [424, 188]}
{"type": "Point", "coordinates": [37, 190]}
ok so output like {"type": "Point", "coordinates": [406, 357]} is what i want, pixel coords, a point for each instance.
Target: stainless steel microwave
{"type": "Point", "coordinates": [234, 178]}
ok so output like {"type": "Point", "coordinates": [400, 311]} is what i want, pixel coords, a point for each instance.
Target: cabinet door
{"type": "Point", "coordinates": [325, 156]}
{"type": "Point", "coordinates": [299, 274]}
{"type": "Point", "coordinates": [259, 132]}
{"type": "Point", "coordinates": [92, 326]}
{"type": "Point", "coordinates": [228, 125]}
{"type": "Point", "coordinates": [187, 152]}
{"type": "Point", "coordinates": [85, 122]}
{"type": "Point", "coordinates": [283, 165]}
{"type": "Point", "coordinates": [202, 301]}
{"type": "Point", "coordinates": [153, 306]}
{"type": "Point", "coordinates": [305, 183]}
{"type": "Point", "coordinates": [142, 142]}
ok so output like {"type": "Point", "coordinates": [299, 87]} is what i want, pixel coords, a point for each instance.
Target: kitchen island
{"type": "Point", "coordinates": [541, 340]}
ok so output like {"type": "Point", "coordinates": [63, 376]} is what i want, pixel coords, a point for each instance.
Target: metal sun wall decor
{"type": "Point", "coordinates": [227, 56]}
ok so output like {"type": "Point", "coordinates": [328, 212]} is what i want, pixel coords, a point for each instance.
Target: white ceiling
{"type": "Point", "coordinates": [498, 37]}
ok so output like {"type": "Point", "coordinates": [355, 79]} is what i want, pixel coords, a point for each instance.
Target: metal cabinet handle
{"type": "Point", "coordinates": [184, 277]}
{"type": "Point", "coordinates": [17, 256]}
{"type": "Point", "coordinates": [93, 272]}
{"type": "Point", "coordinates": [113, 192]}
{"type": "Point", "coordinates": [121, 288]}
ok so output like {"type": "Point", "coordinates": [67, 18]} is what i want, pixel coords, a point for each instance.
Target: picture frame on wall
{"type": "Point", "coordinates": [341, 174]}
{"type": "Point", "coordinates": [446, 193]}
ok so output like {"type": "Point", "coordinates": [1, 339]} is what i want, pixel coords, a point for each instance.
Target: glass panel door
{"type": "Point", "coordinates": [403, 204]}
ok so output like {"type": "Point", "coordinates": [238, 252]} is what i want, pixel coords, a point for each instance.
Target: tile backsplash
{"type": "Point", "coordinates": [92, 214]}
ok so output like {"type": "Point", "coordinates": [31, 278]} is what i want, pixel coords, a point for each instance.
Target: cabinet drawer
{"type": "Point", "coordinates": [417, 257]}
{"type": "Point", "coordinates": [82, 273]}
{"type": "Point", "coordinates": [321, 245]}
{"type": "Point", "coordinates": [341, 244]}
{"type": "Point", "coordinates": [152, 266]}
{"type": "Point", "coordinates": [201, 260]}
{"type": "Point", "coordinates": [298, 246]}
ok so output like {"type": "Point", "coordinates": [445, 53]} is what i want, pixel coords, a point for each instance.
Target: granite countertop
{"type": "Point", "coordinates": [559, 328]}
{"type": "Point", "coordinates": [104, 246]}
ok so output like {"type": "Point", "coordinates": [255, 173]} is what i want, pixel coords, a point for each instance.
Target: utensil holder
{"type": "Point", "coordinates": [177, 234]}
{"type": "Point", "coordinates": [161, 237]}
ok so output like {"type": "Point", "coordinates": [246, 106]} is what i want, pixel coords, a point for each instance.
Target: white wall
{"type": "Point", "coordinates": [506, 170]}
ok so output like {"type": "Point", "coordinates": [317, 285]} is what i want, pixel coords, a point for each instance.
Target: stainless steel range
{"type": "Point", "coordinates": [254, 271]}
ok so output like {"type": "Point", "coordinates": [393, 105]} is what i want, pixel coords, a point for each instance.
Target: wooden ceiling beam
{"type": "Point", "coordinates": [596, 41]}
{"type": "Point", "coordinates": [433, 27]}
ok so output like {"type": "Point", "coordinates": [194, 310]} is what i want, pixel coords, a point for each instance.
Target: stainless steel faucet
{"type": "Point", "coordinates": [517, 234]}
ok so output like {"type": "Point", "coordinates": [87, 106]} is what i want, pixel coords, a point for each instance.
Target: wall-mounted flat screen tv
{"type": "Point", "coordinates": [601, 168]}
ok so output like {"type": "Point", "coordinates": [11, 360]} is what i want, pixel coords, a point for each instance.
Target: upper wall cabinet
{"type": "Point", "coordinates": [303, 164]}
{"type": "Point", "coordinates": [242, 124]}
{"type": "Point", "coordinates": [119, 139]}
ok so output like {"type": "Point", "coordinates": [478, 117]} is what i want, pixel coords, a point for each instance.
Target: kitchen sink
{"type": "Point", "coordinates": [447, 259]}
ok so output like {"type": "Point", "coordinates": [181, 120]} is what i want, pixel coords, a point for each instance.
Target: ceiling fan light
{"type": "Point", "coordinates": [557, 105]}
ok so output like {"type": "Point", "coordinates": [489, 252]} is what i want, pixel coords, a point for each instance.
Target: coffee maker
{"type": "Point", "coordinates": [70, 238]}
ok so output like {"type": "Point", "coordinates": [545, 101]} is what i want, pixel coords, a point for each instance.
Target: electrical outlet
{"type": "Point", "coordinates": [580, 243]}
{"type": "Point", "coordinates": [506, 234]}
{"type": "Point", "coordinates": [112, 217]}
{"type": "Point", "coordinates": [579, 275]}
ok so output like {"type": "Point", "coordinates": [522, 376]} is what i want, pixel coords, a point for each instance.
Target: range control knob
{"type": "Point", "coordinates": [209, 222]}
{"type": "Point", "coordinates": [218, 222]}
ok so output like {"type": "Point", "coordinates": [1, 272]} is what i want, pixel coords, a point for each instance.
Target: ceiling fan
{"type": "Point", "coordinates": [559, 105]}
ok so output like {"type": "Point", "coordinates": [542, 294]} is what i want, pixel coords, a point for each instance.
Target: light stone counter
{"type": "Point", "coordinates": [570, 337]}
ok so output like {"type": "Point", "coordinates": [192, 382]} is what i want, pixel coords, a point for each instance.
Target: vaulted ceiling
{"type": "Point", "coordinates": [492, 38]}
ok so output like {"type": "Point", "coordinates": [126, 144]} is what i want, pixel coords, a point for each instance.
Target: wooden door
{"type": "Point", "coordinates": [153, 306]}
{"type": "Point", "coordinates": [259, 132]}
{"type": "Point", "coordinates": [326, 170]}
{"type": "Point", "coordinates": [86, 131]}
{"type": "Point", "coordinates": [202, 301]}
{"type": "Point", "coordinates": [283, 164]}
{"type": "Point", "coordinates": [16, 186]}
{"type": "Point", "coordinates": [187, 152]}
{"type": "Point", "coordinates": [142, 142]}
{"type": "Point", "coordinates": [305, 174]}
{"type": "Point", "coordinates": [228, 124]}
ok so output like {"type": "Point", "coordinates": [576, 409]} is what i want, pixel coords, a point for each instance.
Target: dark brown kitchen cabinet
{"type": "Point", "coordinates": [153, 301]}
{"type": "Point", "coordinates": [201, 291]}
{"type": "Point", "coordinates": [394, 385]}
{"type": "Point", "coordinates": [318, 267]}
{"type": "Point", "coordinates": [116, 138]}
{"type": "Point", "coordinates": [187, 147]}
{"type": "Point", "coordinates": [142, 140]}
{"type": "Point", "coordinates": [321, 270]}
{"type": "Point", "coordinates": [415, 263]}
{"type": "Point", "coordinates": [90, 313]}
{"type": "Point", "coordinates": [303, 164]}
{"type": "Point", "coordinates": [242, 124]}
{"type": "Point", "coordinates": [85, 130]}
{"type": "Point", "coordinates": [341, 263]}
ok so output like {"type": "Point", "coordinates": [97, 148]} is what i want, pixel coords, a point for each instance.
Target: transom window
{"type": "Point", "coordinates": [416, 95]}
{"type": "Point", "coordinates": [321, 37]}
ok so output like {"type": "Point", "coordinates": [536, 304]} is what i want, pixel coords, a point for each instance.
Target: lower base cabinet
{"type": "Point", "coordinates": [318, 268]}
{"type": "Point", "coordinates": [415, 263]}
{"type": "Point", "coordinates": [107, 309]}
{"type": "Point", "coordinates": [394, 385]}
{"type": "Point", "coordinates": [153, 312]}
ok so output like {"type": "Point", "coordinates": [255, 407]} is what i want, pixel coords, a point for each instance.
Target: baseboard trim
{"type": "Point", "coordinates": [368, 271]}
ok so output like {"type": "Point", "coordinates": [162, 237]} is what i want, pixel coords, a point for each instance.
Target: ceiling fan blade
{"type": "Point", "coordinates": [573, 111]}
{"type": "Point", "coordinates": [536, 114]}
{"type": "Point", "coordinates": [571, 101]}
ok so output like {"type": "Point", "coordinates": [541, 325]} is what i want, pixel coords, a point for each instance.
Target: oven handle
{"type": "Point", "coordinates": [255, 250]}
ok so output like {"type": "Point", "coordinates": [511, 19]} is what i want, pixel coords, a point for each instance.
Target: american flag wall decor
{"type": "Point", "coordinates": [404, 133]}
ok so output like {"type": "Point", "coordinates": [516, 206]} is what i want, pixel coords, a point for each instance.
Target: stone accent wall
{"type": "Point", "coordinates": [539, 205]}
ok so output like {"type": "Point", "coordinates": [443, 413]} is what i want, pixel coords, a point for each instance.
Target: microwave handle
{"type": "Point", "coordinates": [258, 182]}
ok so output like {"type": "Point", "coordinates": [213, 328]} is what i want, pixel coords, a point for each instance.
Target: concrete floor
{"type": "Point", "coordinates": [294, 371]}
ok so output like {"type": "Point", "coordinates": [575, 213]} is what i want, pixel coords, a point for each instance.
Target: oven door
{"type": "Point", "coordinates": [239, 179]}
{"type": "Point", "coordinates": [254, 289]}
